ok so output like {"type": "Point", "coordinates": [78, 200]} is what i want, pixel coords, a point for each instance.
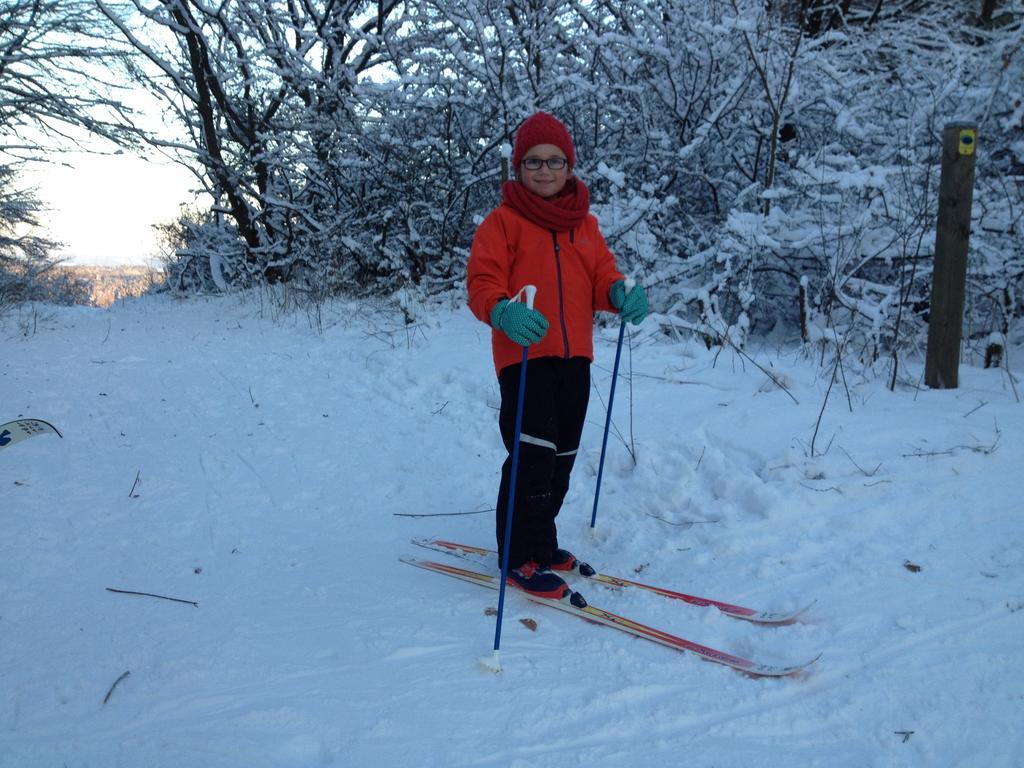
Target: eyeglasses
{"type": "Point", "coordinates": [554, 163]}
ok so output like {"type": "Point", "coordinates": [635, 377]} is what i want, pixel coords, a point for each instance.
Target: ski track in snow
{"type": "Point", "coordinates": [272, 463]}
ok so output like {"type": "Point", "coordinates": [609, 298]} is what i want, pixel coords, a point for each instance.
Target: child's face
{"type": "Point", "coordinates": [544, 181]}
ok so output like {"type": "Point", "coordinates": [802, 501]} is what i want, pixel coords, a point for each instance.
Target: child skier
{"type": "Point", "coordinates": [542, 234]}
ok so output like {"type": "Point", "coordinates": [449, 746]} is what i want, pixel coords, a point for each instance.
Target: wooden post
{"type": "Point", "coordinates": [946, 314]}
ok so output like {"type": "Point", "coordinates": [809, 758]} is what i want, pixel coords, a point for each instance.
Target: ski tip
{"type": "Point", "coordinates": [805, 609]}
{"type": "Point", "coordinates": [799, 669]}
{"type": "Point", "coordinates": [770, 618]}
{"type": "Point", "coordinates": [805, 666]}
{"type": "Point", "coordinates": [771, 670]}
{"type": "Point", "coordinates": [20, 429]}
{"type": "Point", "coordinates": [795, 616]}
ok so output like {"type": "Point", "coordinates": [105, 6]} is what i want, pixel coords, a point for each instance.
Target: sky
{"type": "Point", "coordinates": [102, 207]}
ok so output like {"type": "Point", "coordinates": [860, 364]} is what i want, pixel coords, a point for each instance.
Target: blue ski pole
{"type": "Point", "coordinates": [494, 663]}
{"type": "Point", "coordinates": [630, 282]}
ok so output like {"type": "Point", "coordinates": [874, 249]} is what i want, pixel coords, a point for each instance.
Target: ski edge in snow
{"type": "Point", "coordinates": [773, 618]}
{"type": "Point", "coordinates": [601, 616]}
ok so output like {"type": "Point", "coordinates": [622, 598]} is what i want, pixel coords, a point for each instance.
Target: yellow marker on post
{"type": "Point", "coordinates": [968, 140]}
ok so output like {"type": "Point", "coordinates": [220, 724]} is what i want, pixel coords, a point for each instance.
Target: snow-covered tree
{"type": "Point", "coordinates": [266, 93]}
{"type": "Point", "coordinates": [61, 82]}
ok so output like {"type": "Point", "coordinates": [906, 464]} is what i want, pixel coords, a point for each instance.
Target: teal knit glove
{"type": "Point", "coordinates": [523, 325]}
{"type": "Point", "coordinates": [632, 306]}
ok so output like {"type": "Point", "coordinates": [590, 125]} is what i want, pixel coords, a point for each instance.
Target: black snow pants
{"type": "Point", "coordinates": [554, 410]}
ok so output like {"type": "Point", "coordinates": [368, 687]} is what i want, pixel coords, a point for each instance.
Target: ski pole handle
{"type": "Point", "coordinates": [630, 285]}
{"type": "Point", "coordinates": [531, 293]}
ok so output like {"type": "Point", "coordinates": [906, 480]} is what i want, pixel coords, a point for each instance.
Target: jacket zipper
{"type": "Point", "coordinates": [561, 293]}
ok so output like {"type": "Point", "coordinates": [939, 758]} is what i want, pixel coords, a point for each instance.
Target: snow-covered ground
{"type": "Point", "coordinates": [270, 474]}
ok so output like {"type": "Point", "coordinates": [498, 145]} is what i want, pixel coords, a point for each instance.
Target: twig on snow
{"type": "Point", "coordinates": [831, 381]}
{"type": "Point", "coordinates": [441, 514]}
{"type": "Point", "coordinates": [978, 407]}
{"type": "Point", "coordinates": [725, 340]}
{"type": "Point", "coordinates": [1009, 373]}
{"type": "Point", "coordinates": [950, 451]}
{"type": "Point", "coordinates": [823, 490]}
{"type": "Point", "coordinates": [863, 471]}
{"type": "Point", "coordinates": [122, 677]}
{"type": "Point", "coordinates": [150, 594]}
{"type": "Point", "coordinates": [684, 524]}
{"type": "Point", "coordinates": [842, 371]}
{"type": "Point", "coordinates": [131, 493]}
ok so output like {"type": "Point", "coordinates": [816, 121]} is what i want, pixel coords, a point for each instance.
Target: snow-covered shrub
{"type": "Point", "coordinates": [202, 253]}
{"type": "Point", "coordinates": [837, 137]}
{"type": "Point", "coordinates": [27, 264]}
{"type": "Point", "coordinates": [736, 150]}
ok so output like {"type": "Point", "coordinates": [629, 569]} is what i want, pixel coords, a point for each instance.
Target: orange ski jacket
{"type": "Point", "coordinates": [573, 272]}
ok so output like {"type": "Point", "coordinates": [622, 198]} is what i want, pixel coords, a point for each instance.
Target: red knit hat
{"type": "Point", "coordinates": [542, 128]}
